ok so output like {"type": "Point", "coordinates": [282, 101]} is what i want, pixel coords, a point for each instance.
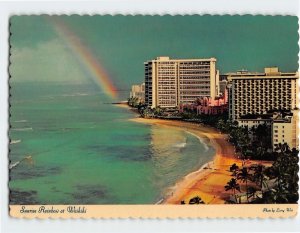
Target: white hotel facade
{"type": "Point", "coordinates": [172, 82]}
{"type": "Point", "coordinates": [258, 93]}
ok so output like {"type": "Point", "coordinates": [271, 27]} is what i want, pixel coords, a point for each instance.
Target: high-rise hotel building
{"type": "Point", "coordinates": [172, 82]}
{"type": "Point", "coordinates": [258, 93]}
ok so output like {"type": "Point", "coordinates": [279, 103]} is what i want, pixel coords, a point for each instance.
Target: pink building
{"type": "Point", "coordinates": [188, 107]}
{"type": "Point", "coordinates": [209, 106]}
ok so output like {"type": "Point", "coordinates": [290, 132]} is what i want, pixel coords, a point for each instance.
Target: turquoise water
{"type": "Point", "coordinates": [85, 151]}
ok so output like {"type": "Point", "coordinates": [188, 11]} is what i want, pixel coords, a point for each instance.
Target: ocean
{"type": "Point", "coordinates": [71, 146]}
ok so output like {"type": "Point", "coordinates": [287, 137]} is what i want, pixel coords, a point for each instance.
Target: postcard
{"type": "Point", "coordinates": [153, 116]}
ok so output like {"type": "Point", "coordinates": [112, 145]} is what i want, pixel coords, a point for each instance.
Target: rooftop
{"type": "Point", "coordinates": [270, 72]}
{"type": "Point", "coordinates": [166, 58]}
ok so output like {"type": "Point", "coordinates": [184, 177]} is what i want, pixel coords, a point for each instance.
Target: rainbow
{"type": "Point", "coordinates": [84, 56]}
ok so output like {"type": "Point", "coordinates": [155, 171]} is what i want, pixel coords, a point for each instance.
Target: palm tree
{"type": "Point", "coordinates": [251, 193]}
{"type": "Point", "coordinates": [244, 176]}
{"type": "Point", "coordinates": [234, 168]}
{"type": "Point", "coordinates": [258, 174]}
{"type": "Point", "coordinates": [285, 170]}
{"type": "Point", "coordinates": [233, 186]}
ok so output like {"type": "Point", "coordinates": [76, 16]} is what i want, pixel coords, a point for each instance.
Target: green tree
{"type": "Point", "coordinates": [244, 176]}
{"type": "Point", "coordinates": [196, 200]}
{"type": "Point", "coordinates": [258, 176]}
{"type": "Point", "coordinates": [234, 169]}
{"type": "Point", "coordinates": [233, 186]}
{"type": "Point", "coordinates": [285, 170]}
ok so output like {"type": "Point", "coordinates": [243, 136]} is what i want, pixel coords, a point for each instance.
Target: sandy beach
{"type": "Point", "coordinates": [209, 181]}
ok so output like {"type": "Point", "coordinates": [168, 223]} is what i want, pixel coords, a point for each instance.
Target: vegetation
{"type": "Point", "coordinates": [254, 143]}
{"type": "Point", "coordinates": [274, 184]}
{"type": "Point", "coordinates": [233, 186]}
{"type": "Point", "coordinates": [284, 173]}
{"type": "Point", "coordinates": [134, 102]}
{"type": "Point", "coordinates": [194, 201]}
{"type": "Point", "coordinates": [151, 113]}
{"type": "Point", "coordinates": [186, 115]}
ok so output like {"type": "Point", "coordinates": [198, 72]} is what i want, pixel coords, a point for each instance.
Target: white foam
{"type": "Point", "coordinates": [14, 165]}
{"type": "Point", "coordinates": [75, 94]}
{"type": "Point", "coordinates": [172, 189]}
{"type": "Point", "coordinates": [22, 129]}
{"type": "Point", "coordinates": [181, 145]}
{"type": "Point", "coordinates": [15, 141]}
{"type": "Point", "coordinates": [82, 94]}
{"type": "Point", "coordinates": [20, 121]}
{"type": "Point", "coordinates": [206, 147]}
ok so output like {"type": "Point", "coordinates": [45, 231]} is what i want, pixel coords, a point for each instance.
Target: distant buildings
{"type": "Point", "coordinates": [138, 91]}
{"type": "Point", "coordinates": [170, 83]}
{"type": "Point", "coordinates": [259, 93]}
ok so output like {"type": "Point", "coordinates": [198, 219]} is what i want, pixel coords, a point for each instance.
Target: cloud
{"type": "Point", "coordinates": [49, 61]}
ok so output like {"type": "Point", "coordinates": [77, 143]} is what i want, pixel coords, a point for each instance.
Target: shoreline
{"type": "Point", "coordinates": [209, 180]}
{"type": "Point", "coordinates": [202, 182]}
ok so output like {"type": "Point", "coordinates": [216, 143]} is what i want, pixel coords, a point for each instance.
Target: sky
{"type": "Point", "coordinates": [121, 44]}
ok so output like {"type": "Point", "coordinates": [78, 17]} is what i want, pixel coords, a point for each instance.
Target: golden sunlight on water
{"type": "Point", "coordinates": [163, 138]}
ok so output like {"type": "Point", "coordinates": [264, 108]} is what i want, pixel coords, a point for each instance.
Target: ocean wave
{"type": "Point", "coordinates": [20, 121]}
{"type": "Point", "coordinates": [170, 190]}
{"type": "Point", "coordinates": [181, 145]}
{"type": "Point", "coordinates": [28, 159]}
{"type": "Point", "coordinates": [14, 141]}
{"type": "Point", "coordinates": [75, 94]}
{"type": "Point", "coordinates": [206, 147]}
{"type": "Point", "coordinates": [22, 129]}
{"type": "Point", "coordinates": [11, 166]}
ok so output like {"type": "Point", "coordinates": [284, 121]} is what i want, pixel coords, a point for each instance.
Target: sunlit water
{"type": "Point", "coordinates": [81, 150]}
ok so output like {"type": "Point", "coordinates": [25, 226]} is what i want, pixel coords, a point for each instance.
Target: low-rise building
{"type": "Point", "coordinates": [250, 123]}
{"type": "Point", "coordinates": [284, 127]}
{"type": "Point", "coordinates": [212, 106]}
{"type": "Point", "coordinates": [285, 130]}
